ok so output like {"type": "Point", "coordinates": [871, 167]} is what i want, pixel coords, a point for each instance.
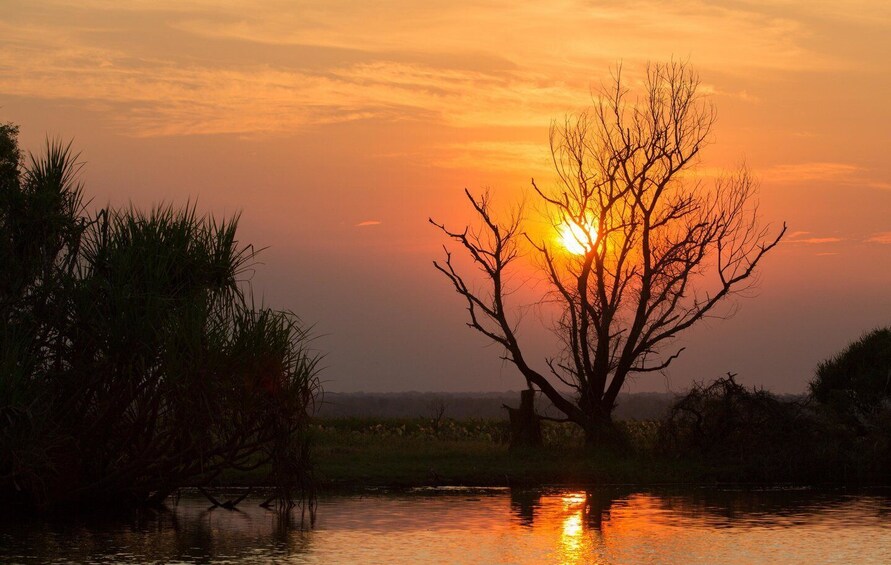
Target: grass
{"type": "Point", "coordinates": [417, 452]}
{"type": "Point", "coordinates": [400, 453]}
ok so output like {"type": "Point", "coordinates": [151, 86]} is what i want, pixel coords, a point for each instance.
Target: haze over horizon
{"type": "Point", "coordinates": [338, 128]}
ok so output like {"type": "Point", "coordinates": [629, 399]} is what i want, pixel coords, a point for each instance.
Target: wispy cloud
{"type": "Point", "coordinates": [798, 237]}
{"type": "Point", "coordinates": [858, 11]}
{"type": "Point", "coordinates": [806, 172]}
{"type": "Point", "coordinates": [491, 155]}
{"type": "Point", "coordinates": [880, 184]}
{"type": "Point", "coordinates": [730, 36]}
{"type": "Point", "coordinates": [844, 174]}
{"type": "Point", "coordinates": [881, 237]}
{"type": "Point", "coordinates": [817, 240]}
{"type": "Point", "coordinates": [323, 64]}
{"type": "Point", "coordinates": [164, 98]}
{"type": "Point", "coordinates": [367, 223]}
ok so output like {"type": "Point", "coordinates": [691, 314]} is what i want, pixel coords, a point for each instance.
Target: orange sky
{"type": "Point", "coordinates": [337, 128]}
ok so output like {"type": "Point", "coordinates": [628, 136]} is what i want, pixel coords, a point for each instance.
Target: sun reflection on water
{"type": "Point", "coordinates": [575, 540]}
{"type": "Point", "coordinates": [571, 539]}
{"type": "Point", "coordinates": [573, 500]}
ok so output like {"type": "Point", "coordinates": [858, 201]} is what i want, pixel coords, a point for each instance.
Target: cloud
{"type": "Point", "coordinates": [491, 155]}
{"type": "Point", "coordinates": [881, 185]}
{"type": "Point", "coordinates": [166, 98]}
{"type": "Point", "coordinates": [846, 174]}
{"type": "Point", "coordinates": [881, 237]}
{"type": "Point", "coordinates": [322, 64]}
{"type": "Point", "coordinates": [856, 11]}
{"type": "Point", "coordinates": [368, 223]}
{"type": "Point", "coordinates": [818, 240]}
{"type": "Point", "coordinates": [796, 237]}
{"type": "Point", "coordinates": [718, 36]}
{"type": "Point", "coordinates": [807, 172]}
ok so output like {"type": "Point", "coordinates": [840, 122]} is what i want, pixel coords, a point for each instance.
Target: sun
{"type": "Point", "coordinates": [577, 239]}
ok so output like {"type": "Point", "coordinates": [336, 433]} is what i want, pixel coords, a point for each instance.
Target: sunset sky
{"type": "Point", "coordinates": [338, 127]}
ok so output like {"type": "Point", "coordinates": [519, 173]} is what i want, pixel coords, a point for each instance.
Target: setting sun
{"type": "Point", "coordinates": [577, 239]}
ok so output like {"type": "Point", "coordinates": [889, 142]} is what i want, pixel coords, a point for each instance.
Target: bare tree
{"type": "Point", "coordinates": [648, 251]}
{"type": "Point", "coordinates": [437, 407]}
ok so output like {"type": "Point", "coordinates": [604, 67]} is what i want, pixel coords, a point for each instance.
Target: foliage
{"type": "Point", "coordinates": [853, 393]}
{"type": "Point", "coordinates": [133, 361]}
{"type": "Point", "coordinates": [753, 435]}
{"type": "Point", "coordinates": [857, 381]}
{"type": "Point", "coordinates": [650, 252]}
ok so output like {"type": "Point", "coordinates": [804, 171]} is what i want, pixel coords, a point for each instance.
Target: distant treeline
{"type": "Point", "coordinates": [469, 405]}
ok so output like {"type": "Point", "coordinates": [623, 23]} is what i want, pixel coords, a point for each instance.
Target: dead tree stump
{"type": "Point", "coordinates": [525, 425]}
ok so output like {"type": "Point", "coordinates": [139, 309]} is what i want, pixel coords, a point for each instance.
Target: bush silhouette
{"type": "Point", "coordinates": [132, 359]}
{"type": "Point", "coordinates": [853, 391]}
{"type": "Point", "coordinates": [751, 434]}
{"type": "Point", "coordinates": [857, 381]}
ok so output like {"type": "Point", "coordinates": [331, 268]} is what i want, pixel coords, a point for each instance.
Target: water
{"type": "Point", "coordinates": [613, 525]}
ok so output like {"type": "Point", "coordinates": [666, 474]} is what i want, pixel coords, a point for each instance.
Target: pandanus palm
{"type": "Point", "coordinates": [149, 367]}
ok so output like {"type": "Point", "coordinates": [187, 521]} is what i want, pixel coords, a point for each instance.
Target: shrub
{"type": "Point", "coordinates": [132, 360]}
{"type": "Point", "coordinates": [856, 383]}
{"type": "Point", "coordinates": [751, 433]}
{"type": "Point", "coordinates": [853, 392]}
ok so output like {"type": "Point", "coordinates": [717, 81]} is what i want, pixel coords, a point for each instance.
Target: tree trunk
{"type": "Point", "coordinates": [601, 431]}
{"type": "Point", "coordinates": [525, 425]}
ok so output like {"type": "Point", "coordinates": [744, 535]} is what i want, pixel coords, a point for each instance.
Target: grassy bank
{"type": "Point", "coordinates": [377, 452]}
{"type": "Point", "coordinates": [357, 452]}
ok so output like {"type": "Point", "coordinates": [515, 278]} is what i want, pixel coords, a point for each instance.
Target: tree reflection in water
{"type": "Point", "coordinates": [523, 504]}
{"type": "Point", "coordinates": [577, 516]}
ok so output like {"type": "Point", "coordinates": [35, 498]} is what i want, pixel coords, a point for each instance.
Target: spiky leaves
{"type": "Point", "coordinates": [154, 367]}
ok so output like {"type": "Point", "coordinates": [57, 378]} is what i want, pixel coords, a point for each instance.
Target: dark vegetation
{"type": "Point", "coordinates": [855, 385]}
{"type": "Point", "coordinates": [132, 360]}
{"type": "Point", "coordinates": [840, 433]}
{"type": "Point", "coordinates": [750, 435]}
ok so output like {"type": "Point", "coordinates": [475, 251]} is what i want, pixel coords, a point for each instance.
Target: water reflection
{"type": "Point", "coordinates": [188, 531]}
{"type": "Point", "coordinates": [708, 525]}
{"type": "Point", "coordinates": [606, 525]}
{"type": "Point", "coordinates": [524, 503]}
{"type": "Point", "coordinates": [578, 515]}
{"type": "Point", "coordinates": [583, 508]}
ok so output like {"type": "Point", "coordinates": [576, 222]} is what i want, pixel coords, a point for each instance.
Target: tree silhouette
{"type": "Point", "coordinates": [856, 383]}
{"type": "Point", "coordinates": [649, 249]}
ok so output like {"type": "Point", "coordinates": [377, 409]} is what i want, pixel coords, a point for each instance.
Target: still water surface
{"type": "Point", "coordinates": [614, 525]}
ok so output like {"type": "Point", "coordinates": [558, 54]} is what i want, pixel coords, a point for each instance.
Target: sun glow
{"type": "Point", "coordinates": [577, 239]}
{"type": "Point", "coordinates": [572, 534]}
